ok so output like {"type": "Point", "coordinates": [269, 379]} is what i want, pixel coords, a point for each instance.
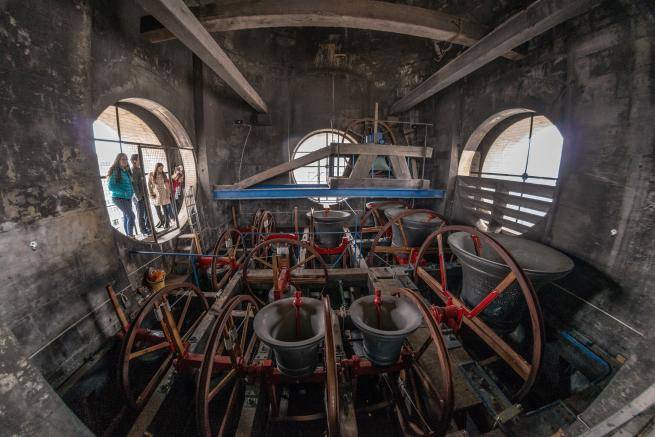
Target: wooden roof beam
{"type": "Point", "coordinates": [357, 14]}
{"type": "Point", "coordinates": [536, 19]}
{"type": "Point", "coordinates": [180, 21]}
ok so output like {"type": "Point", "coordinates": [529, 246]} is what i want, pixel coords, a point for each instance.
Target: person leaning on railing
{"type": "Point", "coordinates": [119, 179]}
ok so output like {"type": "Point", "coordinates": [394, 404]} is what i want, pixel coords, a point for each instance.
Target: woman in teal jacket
{"type": "Point", "coordinates": [119, 180]}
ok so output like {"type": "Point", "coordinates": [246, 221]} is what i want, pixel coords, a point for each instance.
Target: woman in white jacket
{"type": "Point", "coordinates": [159, 187]}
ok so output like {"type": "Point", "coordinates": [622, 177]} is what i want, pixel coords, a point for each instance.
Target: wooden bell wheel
{"type": "Point", "coordinates": [226, 254]}
{"type": "Point", "coordinates": [385, 231]}
{"type": "Point", "coordinates": [431, 407]}
{"type": "Point", "coordinates": [355, 129]}
{"type": "Point", "coordinates": [331, 382]}
{"type": "Point", "coordinates": [149, 347]}
{"type": "Point", "coordinates": [265, 226]}
{"type": "Point", "coordinates": [266, 255]}
{"type": "Point", "coordinates": [527, 371]}
{"type": "Point", "coordinates": [376, 215]}
{"type": "Point", "coordinates": [230, 347]}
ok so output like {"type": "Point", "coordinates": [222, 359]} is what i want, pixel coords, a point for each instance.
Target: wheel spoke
{"type": "Point", "coordinates": [229, 376]}
{"type": "Point", "coordinates": [270, 266]}
{"type": "Point", "coordinates": [401, 227]}
{"type": "Point", "coordinates": [493, 294]}
{"type": "Point", "coordinates": [244, 328]}
{"type": "Point", "coordinates": [152, 384]}
{"type": "Point", "coordinates": [184, 311]}
{"type": "Point", "coordinates": [442, 264]}
{"type": "Point", "coordinates": [423, 348]}
{"type": "Point", "coordinates": [303, 262]}
{"type": "Point", "coordinates": [148, 350]}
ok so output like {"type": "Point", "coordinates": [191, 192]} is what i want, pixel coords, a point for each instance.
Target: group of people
{"type": "Point", "coordinates": [127, 185]}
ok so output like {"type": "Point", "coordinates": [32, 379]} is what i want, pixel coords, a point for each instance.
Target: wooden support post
{"type": "Point", "coordinates": [235, 222]}
{"type": "Point", "coordinates": [180, 21]}
{"type": "Point", "coordinates": [122, 318]}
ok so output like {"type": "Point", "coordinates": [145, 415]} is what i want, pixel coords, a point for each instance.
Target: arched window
{"type": "Point", "coordinates": [529, 150]}
{"type": "Point", "coordinates": [507, 180]}
{"type": "Point", "coordinates": [319, 172]}
{"type": "Point", "coordinates": [150, 134]}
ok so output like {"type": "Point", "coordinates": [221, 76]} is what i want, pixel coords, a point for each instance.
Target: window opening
{"type": "Point", "coordinates": [319, 172]}
{"type": "Point", "coordinates": [117, 130]}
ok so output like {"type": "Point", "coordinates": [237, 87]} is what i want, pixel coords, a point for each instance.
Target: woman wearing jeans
{"type": "Point", "coordinates": [160, 191]}
{"type": "Point", "coordinates": [120, 186]}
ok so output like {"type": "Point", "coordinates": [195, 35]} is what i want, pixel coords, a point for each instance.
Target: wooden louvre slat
{"type": "Point", "coordinates": [519, 215]}
{"type": "Point", "coordinates": [518, 227]}
{"type": "Point", "coordinates": [505, 186]}
{"type": "Point", "coordinates": [473, 191]}
{"type": "Point", "coordinates": [505, 199]}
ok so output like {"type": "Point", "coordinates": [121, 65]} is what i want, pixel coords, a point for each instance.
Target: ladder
{"type": "Point", "coordinates": [188, 242]}
{"type": "Point", "coordinates": [194, 219]}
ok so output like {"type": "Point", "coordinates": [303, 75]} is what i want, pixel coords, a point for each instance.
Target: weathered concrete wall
{"type": "Point", "coordinates": [63, 63]}
{"type": "Point", "coordinates": [30, 407]}
{"type": "Point", "coordinates": [594, 78]}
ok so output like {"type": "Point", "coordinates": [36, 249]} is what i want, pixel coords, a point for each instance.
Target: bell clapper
{"type": "Point", "coordinates": [297, 302]}
{"type": "Point", "coordinates": [377, 300]}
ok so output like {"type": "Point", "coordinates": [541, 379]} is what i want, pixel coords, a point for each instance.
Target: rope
{"type": "Point", "coordinates": [441, 53]}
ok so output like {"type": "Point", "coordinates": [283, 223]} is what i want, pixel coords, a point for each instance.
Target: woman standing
{"type": "Point", "coordinates": [160, 192]}
{"type": "Point", "coordinates": [119, 180]}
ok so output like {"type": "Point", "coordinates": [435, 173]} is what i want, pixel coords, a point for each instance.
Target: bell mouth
{"type": "Point", "coordinates": [275, 324]}
{"type": "Point", "coordinates": [398, 316]}
{"type": "Point", "coordinates": [531, 256]}
{"type": "Point", "coordinates": [418, 219]}
{"type": "Point", "coordinates": [329, 216]}
{"type": "Point", "coordinates": [398, 205]}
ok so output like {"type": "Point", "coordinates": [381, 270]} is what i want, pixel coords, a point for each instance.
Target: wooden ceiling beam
{"type": "Point", "coordinates": [181, 22]}
{"type": "Point", "coordinates": [536, 19]}
{"type": "Point", "coordinates": [357, 14]}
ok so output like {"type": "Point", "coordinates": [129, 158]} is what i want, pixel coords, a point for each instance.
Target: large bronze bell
{"type": "Point", "coordinates": [481, 273]}
{"type": "Point", "coordinates": [329, 226]}
{"type": "Point", "coordinates": [384, 325]}
{"type": "Point", "coordinates": [294, 332]}
{"type": "Point", "coordinates": [417, 227]}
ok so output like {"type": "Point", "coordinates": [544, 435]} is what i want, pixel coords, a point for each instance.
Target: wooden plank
{"type": "Point", "coordinates": [343, 149]}
{"type": "Point", "coordinates": [285, 167]}
{"type": "Point", "coordinates": [362, 168]}
{"type": "Point", "coordinates": [520, 215]}
{"type": "Point", "coordinates": [378, 183]}
{"type": "Point", "coordinates": [381, 150]}
{"type": "Point", "coordinates": [180, 21]}
{"type": "Point", "coordinates": [537, 18]}
{"type": "Point", "coordinates": [507, 186]}
{"type": "Point", "coordinates": [351, 274]}
{"type": "Point", "coordinates": [503, 199]}
{"type": "Point", "coordinates": [518, 227]}
{"type": "Point", "coordinates": [360, 14]}
{"type": "Point", "coordinates": [399, 167]}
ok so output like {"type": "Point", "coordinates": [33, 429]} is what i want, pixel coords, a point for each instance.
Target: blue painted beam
{"type": "Point", "coordinates": [302, 191]}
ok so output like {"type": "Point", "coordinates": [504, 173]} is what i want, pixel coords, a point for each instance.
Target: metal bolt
{"type": "Point", "coordinates": [613, 232]}
{"type": "Point", "coordinates": [34, 245]}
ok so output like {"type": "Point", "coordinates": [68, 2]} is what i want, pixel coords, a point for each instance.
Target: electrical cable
{"type": "Point", "coordinates": [243, 149]}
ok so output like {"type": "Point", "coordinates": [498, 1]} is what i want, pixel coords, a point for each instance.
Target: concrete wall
{"type": "Point", "coordinates": [63, 63]}
{"type": "Point", "coordinates": [594, 77]}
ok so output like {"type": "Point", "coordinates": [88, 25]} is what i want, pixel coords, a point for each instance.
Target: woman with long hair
{"type": "Point", "coordinates": [160, 191]}
{"type": "Point", "coordinates": [119, 179]}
